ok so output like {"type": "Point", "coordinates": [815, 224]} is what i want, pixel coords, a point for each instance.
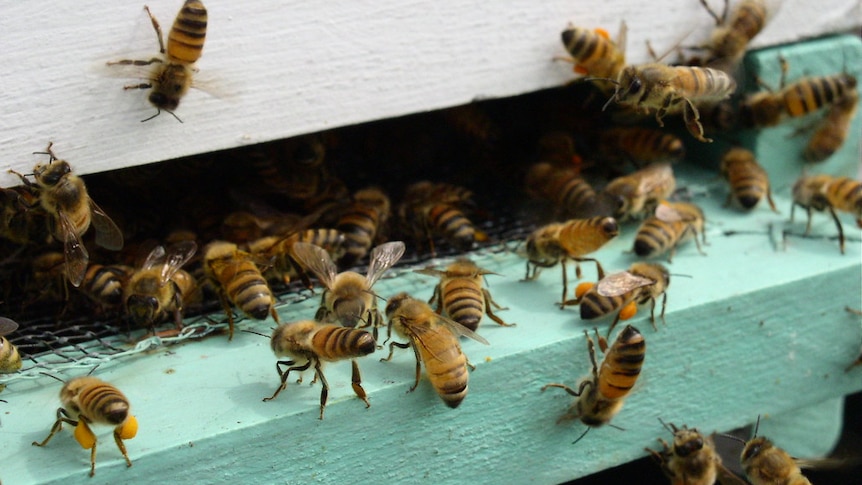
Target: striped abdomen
{"type": "Point", "coordinates": [452, 224]}
{"type": "Point", "coordinates": [334, 342]}
{"type": "Point", "coordinates": [571, 193]}
{"type": "Point", "coordinates": [593, 305]}
{"type": "Point", "coordinates": [445, 365]}
{"type": "Point", "coordinates": [748, 180]}
{"type": "Point", "coordinates": [810, 94]}
{"type": "Point", "coordinates": [593, 52]}
{"type": "Point", "coordinates": [641, 145]}
{"type": "Point", "coordinates": [245, 287]}
{"type": "Point", "coordinates": [187, 35]}
{"type": "Point", "coordinates": [700, 84]}
{"type": "Point", "coordinates": [99, 401]}
{"type": "Point", "coordinates": [656, 236]}
{"type": "Point", "coordinates": [463, 301]}
{"type": "Point", "coordinates": [359, 224]}
{"type": "Point", "coordinates": [10, 359]}
{"type": "Point", "coordinates": [833, 129]}
{"type": "Point", "coordinates": [622, 364]}
{"type": "Point", "coordinates": [749, 18]}
{"type": "Point", "coordinates": [845, 194]}
{"type": "Point", "coordinates": [104, 284]}
{"type": "Point", "coordinates": [580, 237]}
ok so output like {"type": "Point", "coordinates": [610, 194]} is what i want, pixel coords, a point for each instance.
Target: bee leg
{"type": "Point", "coordinates": [284, 375]}
{"type": "Point", "coordinates": [418, 369]}
{"type": "Point", "coordinates": [769, 199]}
{"type": "Point", "coordinates": [157, 28]}
{"type": "Point", "coordinates": [691, 117]}
{"type": "Point", "coordinates": [226, 306]}
{"type": "Point", "coordinates": [840, 229]}
{"type": "Point", "coordinates": [356, 383]}
{"type": "Point", "coordinates": [324, 392]}
{"type": "Point", "coordinates": [490, 301]}
{"type": "Point", "coordinates": [93, 460]}
{"type": "Point", "coordinates": [565, 284]}
{"type": "Point", "coordinates": [274, 314]}
{"type": "Point", "coordinates": [391, 349]}
{"type": "Point", "coordinates": [614, 324]}
{"type": "Point", "coordinates": [718, 20]}
{"type": "Point", "coordinates": [603, 345]}
{"type": "Point", "coordinates": [663, 306]}
{"type": "Point", "coordinates": [563, 387]}
{"type": "Point", "coordinates": [784, 68]}
{"type": "Point", "coordinates": [121, 446]}
{"type": "Point", "coordinates": [62, 417]}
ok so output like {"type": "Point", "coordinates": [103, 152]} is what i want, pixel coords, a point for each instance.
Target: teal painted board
{"type": "Point", "coordinates": [755, 330]}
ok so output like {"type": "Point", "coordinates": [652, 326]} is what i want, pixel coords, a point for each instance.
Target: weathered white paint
{"type": "Point", "coordinates": [299, 67]}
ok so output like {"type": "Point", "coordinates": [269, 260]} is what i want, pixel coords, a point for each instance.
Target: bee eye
{"type": "Point", "coordinates": [635, 86]}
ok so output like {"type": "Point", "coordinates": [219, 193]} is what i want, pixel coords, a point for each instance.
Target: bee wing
{"type": "Point", "coordinates": [156, 257]}
{"type": "Point", "coordinates": [727, 477]}
{"type": "Point", "coordinates": [382, 258]}
{"type": "Point", "coordinates": [108, 235]}
{"type": "Point", "coordinates": [621, 37]}
{"type": "Point", "coordinates": [316, 260]}
{"type": "Point", "coordinates": [177, 255]}
{"type": "Point", "coordinates": [430, 272]}
{"type": "Point", "coordinates": [617, 284]}
{"type": "Point", "coordinates": [77, 257]}
{"type": "Point", "coordinates": [460, 330]}
{"type": "Point", "coordinates": [665, 212]}
{"type": "Point", "coordinates": [7, 326]}
{"type": "Point", "coordinates": [655, 176]}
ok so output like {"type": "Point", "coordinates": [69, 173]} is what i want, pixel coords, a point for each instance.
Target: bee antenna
{"type": "Point", "coordinates": [608, 103]}
{"type": "Point", "coordinates": [756, 426]}
{"type": "Point", "coordinates": [669, 427]}
{"type": "Point", "coordinates": [682, 275]}
{"type": "Point", "coordinates": [582, 435]}
{"type": "Point", "coordinates": [734, 438]}
{"type": "Point", "coordinates": [612, 81]}
{"type": "Point", "coordinates": [374, 294]}
{"type": "Point", "coordinates": [256, 333]}
{"type": "Point", "coordinates": [616, 427]}
{"type": "Point", "coordinates": [158, 112]}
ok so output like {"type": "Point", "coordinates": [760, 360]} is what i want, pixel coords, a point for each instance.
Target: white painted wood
{"type": "Point", "coordinates": [299, 67]}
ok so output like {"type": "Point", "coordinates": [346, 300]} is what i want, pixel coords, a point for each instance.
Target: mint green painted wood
{"type": "Point", "coordinates": [755, 330]}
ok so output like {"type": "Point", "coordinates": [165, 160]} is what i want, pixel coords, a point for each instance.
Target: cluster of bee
{"type": "Point", "coordinates": [270, 218]}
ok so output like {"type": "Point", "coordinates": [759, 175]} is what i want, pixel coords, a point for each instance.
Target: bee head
{"type": "Point", "coordinates": [142, 309]}
{"type": "Point", "coordinates": [394, 303]}
{"type": "Point", "coordinates": [51, 174]}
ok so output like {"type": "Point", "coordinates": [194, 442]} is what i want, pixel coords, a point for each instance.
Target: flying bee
{"type": "Point", "coordinates": [87, 401]}
{"type": "Point", "coordinates": [639, 146]}
{"type": "Point", "coordinates": [315, 343]}
{"type": "Point", "coordinates": [159, 287]}
{"type": "Point", "coordinates": [806, 95]}
{"type": "Point", "coordinates": [672, 224]}
{"type": "Point", "coordinates": [825, 192]}
{"type": "Point", "coordinates": [238, 280]}
{"type": "Point", "coordinates": [748, 181]}
{"type": "Point", "coordinates": [63, 195]}
{"type": "Point", "coordinates": [730, 38]}
{"type": "Point", "coordinates": [638, 193]}
{"type": "Point", "coordinates": [279, 249]}
{"type": "Point", "coordinates": [172, 76]}
{"type": "Point", "coordinates": [103, 284]}
{"type": "Point", "coordinates": [622, 292]}
{"type": "Point", "coordinates": [692, 459]}
{"type": "Point", "coordinates": [435, 342]}
{"type": "Point", "coordinates": [573, 239]}
{"type": "Point", "coordinates": [670, 89]}
{"type": "Point", "coordinates": [461, 294]}
{"type": "Point", "coordinates": [833, 129]}
{"type": "Point", "coordinates": [593, 52]}
{"type": "Point", "coordinates": [348, 299]}
{"type": "Point", "coordinates": [10, 359]}
{"type": "Point", "coordinates": [361, 222]}
{"type": "Point", "coordinates": [571, 195]}
{"type": "Point", "coordinates": [601, 395]}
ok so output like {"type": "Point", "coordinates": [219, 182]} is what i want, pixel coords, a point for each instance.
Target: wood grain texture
{"type": "Point", "coordinates": [286, 68]}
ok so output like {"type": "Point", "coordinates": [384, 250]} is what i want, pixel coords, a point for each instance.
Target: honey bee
{"type": "Point", "coordinates": [593, 52]}
{"type": "Point", "coordinates": [692, 460]}
{"type": "Point", "coordinates": [238, 280]}
{"type": "Point", "coordinates": [825, 192]}
{"type": "Point", "coordinates": [435, 342]}
{"type": "Point", "coordinates": [639, 146]}
{"type": "Point", "coordinates": [573, 239]}
{"type": "Point", "coordinates": [670, 89]}
{"type": "Point", "coordinates": [748, 181]}
{"type": "Point", "coordinates": [309, 343]}
{"type": "Point", "coordinates": [766, 464]}
{"type": "Point", "coordinates": [461, 295]}
{"type": "Point", "coordinates": [348, 299]}
{"type": "Point", "coordinates": [159, 287]}
{"type": "Point", "coordinates": [637, 193]}
{"type": "Point", "coordinates": [672, 224]}
{"type": "Point", "coordinates": [18, 224]}
{"type": "Point", "coordinates": [430, 208]}
{"type": "Point", "coordinates": [103, 284]}
{"type": "Point", "coordinates": [601, 395]}
{"type": "Point", "coordinates": [63, 195]}
{"type": "Point", "coordinates": [570, 194]}
{"type": "Point", "coordinates": [10, 359]}
{"type": "Point", "coordinates": [729, 40]}
{"type": "Point", "coordinates": [806, 95]}
{"type": "Point", "coordinates": [49, 276]}
{"type": "Point", "coordinates": [361, 223]}
{"type": "Point", "coordinates": [833, 129]}
{"type": "Point", "coordinates": [622, 293]}
{"type": "Point", "coordinates": [88, 400]}
{"type": "Point", "coordinates": [172, 75]}
{"type": "Point", "coordinates": [278, 249]}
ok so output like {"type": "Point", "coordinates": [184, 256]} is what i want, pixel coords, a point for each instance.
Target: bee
{"type": "Point", "coordinates": [159, 287]}
{"type": "Point", "coordinates": [637, 193]}
{"type": "Point", "coordinates": [639, 146]}
{"type": "Point", "coordinates": [601, 395]}
{"type": "Point", "coordinates": [729, 40]}
{"type": "Point", "coordinates": [622, 292]}
{"type": "Point", "coordinates": [806, 95]}
{"type": "Point", "coordinates": [435, 342]}
{"type": "Point", "coordinates": [103, 284]}
{"type": "Point", "coordinates": [361, 223]}
{"type": "Point", "coordinates": [573, 239]}
{"type": "Point", "coordinates": [348, 299]}
{"type": "Point", "coordinates": [672, 224]}
{"type": "Point", "coordinates": [10, 359]}
{"type": "Point", "coordinates": [172, 75]}
{"type": "Point", "coordinates": [315, 343]}
{"type": "Point", "coordinates": [49, 276]}
{"type": "Point", "coordinates": [461, 295]}
{"type": "Point", "coordinates": [18, 224]}
{"type": "Point", "coordinates": [430, 208]}
{"type": "Point", "coordinates": [88, 400]}
{"type": "Point", "coordinates": [570, 194]}
{"type": "Point", "coordinates": [278, 249]}
{"type": "Point", "coordinates": [63, 195]}
{"type": "Point", "coordinates": [238, 280]}
{"type": "Point", "coordinates": [593, 52]}
{"type": "Point", "coordinates": [748, 181]}
{"type": "Point", "coordinates": [825, 192]}
{"type": "Point", "coordinates": [833, 129]}
{"type": "Point", "coordinates": [692, 460]}
{"type": "Point", "coordinates": [669, 89]}
{"type": "Point", "coordinates": [766, 464]}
